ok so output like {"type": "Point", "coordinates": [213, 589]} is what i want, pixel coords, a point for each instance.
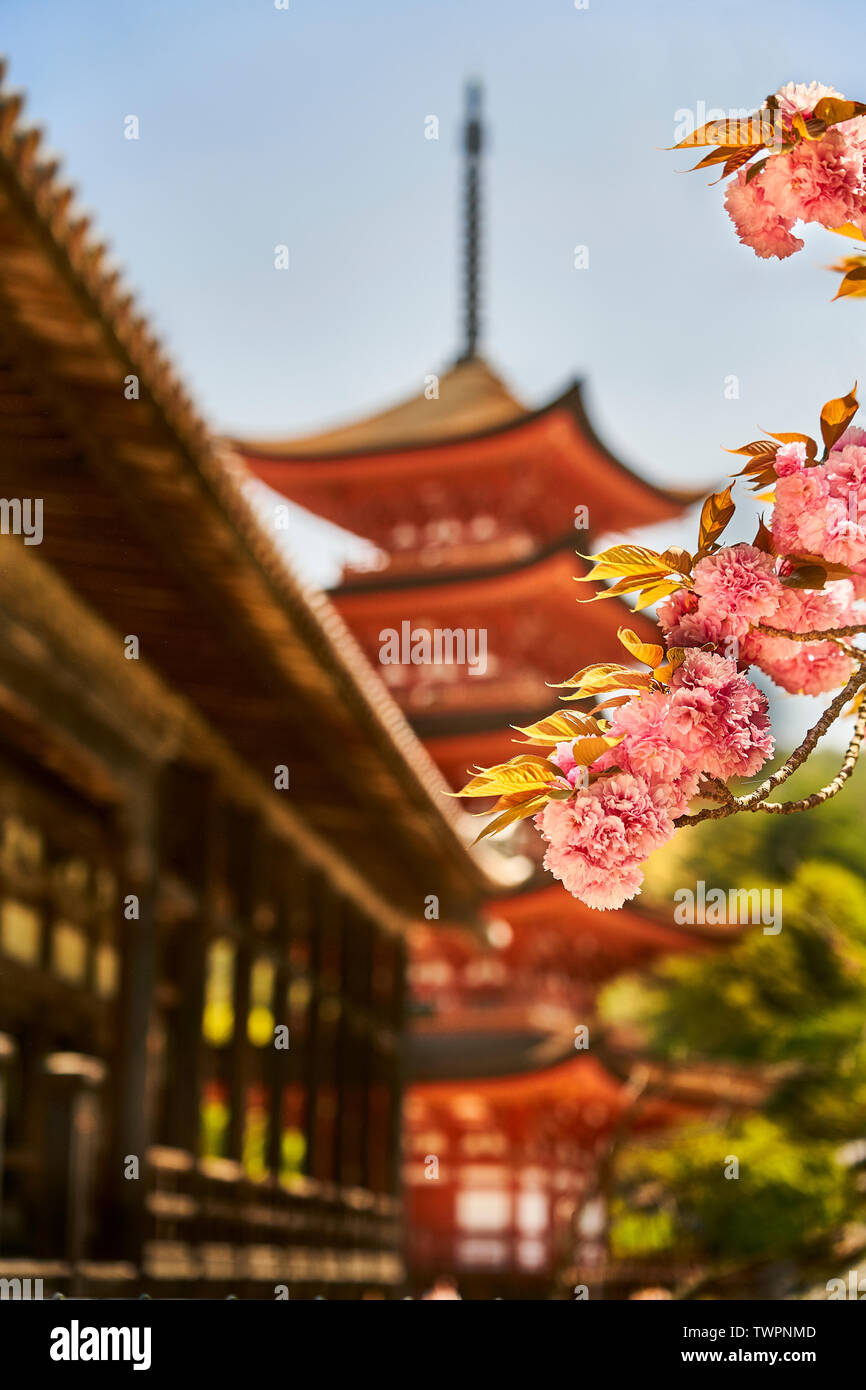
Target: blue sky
{"type": "Point", "coordinates": [261, 126]}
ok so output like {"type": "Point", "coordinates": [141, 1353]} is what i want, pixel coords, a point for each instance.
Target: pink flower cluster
{"type": "Point", "coordinates": [738, 588]}
{"type": "Point", "coordinates": [822, 510]}
{"type": "Point", "coordinates": [712, 722]}
{"type": "Point", "coordinates": [820, 180]}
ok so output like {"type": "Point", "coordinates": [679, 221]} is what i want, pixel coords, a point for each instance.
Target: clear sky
{"type": "Point", "coordinates": [306, 127]}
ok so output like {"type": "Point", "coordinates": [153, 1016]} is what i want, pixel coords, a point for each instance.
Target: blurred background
{"type": "Point", "coordinates": [448, 313]}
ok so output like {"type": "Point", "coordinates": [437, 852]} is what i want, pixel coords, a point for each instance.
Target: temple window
{"type": "Point", "coordinates": [479, 1209]}
{"type": "Point", "coordinates": [69, 950]}
{"type": "Point", "coordinates": [20, 932]}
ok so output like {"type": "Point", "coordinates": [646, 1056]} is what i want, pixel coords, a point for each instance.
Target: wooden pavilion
{"type": "Point", "coordinates": [214, 821]}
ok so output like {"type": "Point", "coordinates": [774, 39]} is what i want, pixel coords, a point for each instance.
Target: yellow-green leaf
{"type": "Point", "coordinates": [624, 586]}
{"type": "Point", "coordinates": [521, 774]}
{"type": "Point", "coordinates": [586, 673]}
{"type": "Point", "coordinates": [622, 560]}
{"type": "Point", "coordinates": [634, 680]}
{"type": "Point", "coordinates": [514, 813]}
{"type": "Point", "coordinates": [853, 285]}
{"type": "Point", "coordinates": [561, 725]}
{"type": "Point", "coordinates": [586, 750]}
{"type": "Point", "coordinates": [649, 653]}
{"type": "Point", "coordinates": [654, 592]}
{"type": "Point", "coordinates": [678, 560]}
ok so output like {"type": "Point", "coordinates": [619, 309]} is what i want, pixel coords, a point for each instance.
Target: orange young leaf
{"type": "Point", "coordinates": [795, 438]}
{"type": "Point", "coordinates": [733, 134]}
{"type": "Point", "coordinates": [832, 110]}
{"type": "Point", "coordinates": [715, 515]}
{"type": "Point", "coordinates": [848, 229]}
{"type": "Point", "coordinates": [853, 285]}
{"type": "Point", "coordinates": [836, 417]}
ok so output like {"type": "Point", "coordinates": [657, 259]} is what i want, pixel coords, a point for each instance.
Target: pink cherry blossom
{"type": "Point", "coordinates": [821, 180]}
{"type": "Point", "coordinates": [718, 718]}
{"type": "Point", "coordinates": [822, 510]}
{"type": "Point", "coordinates": [738, 587]}
{"type": "Point", "coordinates": [790, 458]}
{"type": "Point", "coordinates": [799, 98]}
{"type": "Point", "coordinates": [597, 841]}
{"type": "Point", "coordinates": [647, 749]}
{"type": "Point", "coordinates": [734, 589]}
{"type": "Point", "coordinates": [563, 756]}
{"type": "Point", "coordinates": [757, 221]}
{"type": "Point", "coordinates": [818, 181]}
{"type": "Point", "coordinates": [807, 668]}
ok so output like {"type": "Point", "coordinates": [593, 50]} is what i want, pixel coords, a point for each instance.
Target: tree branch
{"type": "Point", "coordinates": [806, 803]}
{"type": "Point", "coordinates": [756, 800]}
{"type": "Point", "coordinates": [835, 635]}
{"type": "Point", "coordinates": [814, 636]}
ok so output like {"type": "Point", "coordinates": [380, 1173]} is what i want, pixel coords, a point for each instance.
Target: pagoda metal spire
{"type": "Point", "coordinates": [472, 146]}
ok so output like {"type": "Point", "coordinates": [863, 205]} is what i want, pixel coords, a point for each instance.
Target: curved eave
{"type": "Point", "coordinates": [288, 469]}
{"type": "Point", "coordinates": [570, 1084]}
{"type": "Point", "coordinates": [536, 578]}
{"type": "Point", "coordinates": [570, 400]}
{"type": "Point", "coordinates": [647, 925]}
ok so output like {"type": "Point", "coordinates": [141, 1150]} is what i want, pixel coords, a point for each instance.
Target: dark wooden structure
{"type": "Point", "coordinates": [201, 967]}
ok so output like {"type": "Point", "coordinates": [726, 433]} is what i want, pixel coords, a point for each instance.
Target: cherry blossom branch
{"type": "Point", "coordinates": [856, 630]}
{"type": "Point", "coordinates": [834, 635]}
{"type": "Point", "coordinates": [756, 800]}
{"type": "Point", "coordinates": [806, 803]}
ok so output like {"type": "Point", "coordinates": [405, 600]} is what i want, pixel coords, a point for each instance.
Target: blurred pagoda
{"type": "Point", "coordinates": [475, 506]}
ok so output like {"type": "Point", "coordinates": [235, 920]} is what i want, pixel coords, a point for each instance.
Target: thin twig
{"type": "Point", "coordinates": [785, 808]}
{"type": "Point", "coordinates": [755, 800]}
{"type": "Point", "coordinates": [835, 635]}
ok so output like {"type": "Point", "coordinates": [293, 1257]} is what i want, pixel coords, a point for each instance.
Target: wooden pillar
{"type": "Point", "coordinates": [183, 1088]}
{"type": "Point", "coordinates": [239, 1049]}
{"type": "Point", "coordinates": [72, 1129]}
{"type": "Point", "coordinates": [315, 900]}
{"type": "Point", "coordinates": [8, 1050]}
{"type": "Point", "coordinates": [132, 1089]}
{"type": "Point", "coordinates": [398, 1068]}
{"type": "Point", "coordinates": [279, 1059]}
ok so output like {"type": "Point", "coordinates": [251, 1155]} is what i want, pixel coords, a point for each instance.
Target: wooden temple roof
{"type": "Point", "coordinates": [147, 519]}
{"type": "Point", "coordinates": [472, 400]}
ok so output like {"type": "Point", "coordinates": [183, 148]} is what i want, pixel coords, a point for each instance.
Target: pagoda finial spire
{"type": "Point", "coordinates": [472, 145]}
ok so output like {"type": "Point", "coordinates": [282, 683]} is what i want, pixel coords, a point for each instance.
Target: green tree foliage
{"type": "Point", "coordinates": [796, 1001]}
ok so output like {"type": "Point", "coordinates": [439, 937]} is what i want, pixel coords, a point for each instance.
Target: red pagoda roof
{"type": "Point", "coordinates": [579, 1096]}
{"type": "Point", "coordinates": [536, 633]}
{"type": "Point", "coordinates": [466, 482]}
